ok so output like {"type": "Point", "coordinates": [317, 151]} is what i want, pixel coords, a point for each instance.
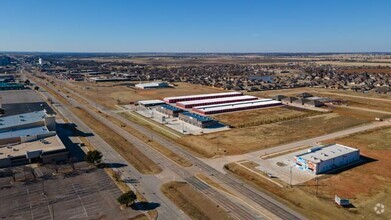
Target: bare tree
{"type": "Point", "coordinates": [10, 172]}
{"type": "Point", "coordinates": [72, 161]}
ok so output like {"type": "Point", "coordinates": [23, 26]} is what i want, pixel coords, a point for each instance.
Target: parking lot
{"type": "Point", "coordinates": [23, 101]}
{"type": "Point", "coordinates": [87, 193]}
{"type": "Point", "coordinates": [283, 168]}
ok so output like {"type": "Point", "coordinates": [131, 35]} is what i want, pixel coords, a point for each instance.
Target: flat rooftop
{"type": "Point", "coordinates": [170, 107]}
{"type": "Point", "coordinates": [326, 153]}
{"type": "Point", "coordinates": [236, 105]}
{"type": "Point", "coordinates": [157, 83]}
{"type": "Point", "coordinates": [26, 118]}
{"type": "Point", "coordinates": [52, 143]}
{"type": "Point", "coordinates": [24, 132]}
{"type": "Point", "coordinates": [207, 107]}
{"type": "Point", "coordinates": [214, 100]}
{"type": "Point", "coordinates": [197, 116]}
{"type": "Point", "coordinates": [149, 102]}
{"type": "Point", "coordinates": [203, 95]}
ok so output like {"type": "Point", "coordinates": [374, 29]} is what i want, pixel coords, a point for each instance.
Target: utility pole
{"type": "Point", "coordinates": [290, 179]}
{"type": "Point", "coordinates": [96, 102]}
{"type": "Point", "coordinates": [317, 186]}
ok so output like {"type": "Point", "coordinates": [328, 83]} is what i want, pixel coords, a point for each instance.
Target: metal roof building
{"type": "Point", "coordinates": [169, 110]}
{"type": "Point", "coordinates": [200, 97]}
{"type": "Point", "coordinates": [197, 120]}
{"type": "Point", "coordinates": [147, 103]}
{"type": "Point", "coordinates": [325, 158]}
{"type": "Point", "coordinates": [190, 104]}
{"type": "Point", "coordinates": [235, 106]}
{"type": "Point", "coordinates": [26, 127]}
{"type": "Point", "coordinates": [152, 85]}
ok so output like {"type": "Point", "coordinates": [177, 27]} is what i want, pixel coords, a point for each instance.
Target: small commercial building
{"type": "Point", "coordinates": [169, 110]}
{"type": "Point", "coordinates": [191, 104]}
{"type": "Point", "coordinates": [200, 97]}
{"type": "Point", "coordinates": [235, 106]}
{"type": "Point", "coordinates": [326, 158]}
{"type": "Point", "coordinates": [197, 120]}
{"type": "Point", "coordinates": [149, 103]}
{"type": "Point", "coordinates": [152, 85]}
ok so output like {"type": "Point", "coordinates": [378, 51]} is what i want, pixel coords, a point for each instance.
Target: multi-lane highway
{"type": "Point", "coordinates": [273, 207]}
{"type": "Point", "coordinates": [167, 209]}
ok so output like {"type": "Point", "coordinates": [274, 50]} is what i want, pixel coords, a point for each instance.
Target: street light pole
{"type": "Point", "coordinates": [290, 179]}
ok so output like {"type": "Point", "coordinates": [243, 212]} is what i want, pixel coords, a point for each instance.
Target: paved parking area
{"type": "Point", "coordinates": [23, 101]}
{"type": "Point", "coordinates": [281, 167]}
{"type": "Point", "coordinates": [84, 194]}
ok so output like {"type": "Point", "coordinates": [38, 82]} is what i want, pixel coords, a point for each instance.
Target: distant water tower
{"type": "Point", "coordinates": [40, 61]}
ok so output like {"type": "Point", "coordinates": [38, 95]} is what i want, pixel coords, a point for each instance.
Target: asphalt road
{"type": "Point", "coordinates": [149, 184]}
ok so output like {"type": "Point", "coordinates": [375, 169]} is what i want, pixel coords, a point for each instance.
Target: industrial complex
{"type": "Point", "coordinates": [326, 158]}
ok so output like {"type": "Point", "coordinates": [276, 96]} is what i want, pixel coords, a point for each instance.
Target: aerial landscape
{"type": "Point", "coordinates": [195, 110]}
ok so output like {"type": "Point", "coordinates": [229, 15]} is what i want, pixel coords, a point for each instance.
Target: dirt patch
{"type": "Point", "coordinates": [193, 203]}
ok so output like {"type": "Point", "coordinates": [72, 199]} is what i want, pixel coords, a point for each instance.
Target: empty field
{"type": "Point", "coordinates": [368, 184]}
{"type": "Point", "coordinates": [193, 203]}
{"type": "Point", "coordinates": [110, 94]}
{"type": "Point", "coordinates": [262, 116]}
{"type": "Point", "coordinates": [242, 140]}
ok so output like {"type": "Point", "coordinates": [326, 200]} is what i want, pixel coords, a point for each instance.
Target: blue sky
{"type": "Point", "coordinates": [195, 26]}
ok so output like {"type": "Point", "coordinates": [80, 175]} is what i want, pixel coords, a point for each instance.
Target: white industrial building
{"type": "Point", "coordinates": [148, 103]}
{"type": "Point", "coordinates": [325, 158]}
{"type": "Point", "coordinates": [200, 97]}
{"type": "Point", "coordinates": [235, 106]}
{"type": "Point", "coordinates": [191, 104]}
{"type": "Point", "coordinates": [152, 85]}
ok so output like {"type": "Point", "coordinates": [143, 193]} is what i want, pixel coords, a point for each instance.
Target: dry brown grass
{"type": "Point", "coordinates": [193, 203]}
{"type": "Point", "coordinates": [134, 156]}
{"type": "Point", "coordinates": [242, 140]}
{"type": "Point", "coordinates": [110, 94]}
{"type": "Point", "coordinates": [263, 116]}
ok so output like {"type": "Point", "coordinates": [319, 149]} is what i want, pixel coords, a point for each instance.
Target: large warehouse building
{"type": "Point", "coordinates": [169, 110]}
{"type": "Point", "coordinates": [197, 120]}
{"type": "Point", "coordinates": [201, 97]}
{"type": "Point", "coordinates": [235, 106]}
{"type": "Point", "coordinates": [323, 159]}
{"type": "Point", "coordinates": [152, 85]}
{"type": "Point", "coordinates": [191, 104]}
{"type": "Point", "coordinates": [30, 137]}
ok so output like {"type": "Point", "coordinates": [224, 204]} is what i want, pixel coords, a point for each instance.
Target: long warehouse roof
{"type": "Point", "coordinates": [233, 106]}
{"type": "Point", "coordinates": [203, 95]}
{"type": "Point", "coordinates": [327, 152]}
{"type": "Point", "coordinates": [232, 103]}
{"type": "Point", "coordinates": [206, 101]}
{"type": "Point", "coordinates": [17, 120]}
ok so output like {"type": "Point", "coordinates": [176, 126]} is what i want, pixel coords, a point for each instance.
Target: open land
{"type": "Point", "coordinates": [243, 140]}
